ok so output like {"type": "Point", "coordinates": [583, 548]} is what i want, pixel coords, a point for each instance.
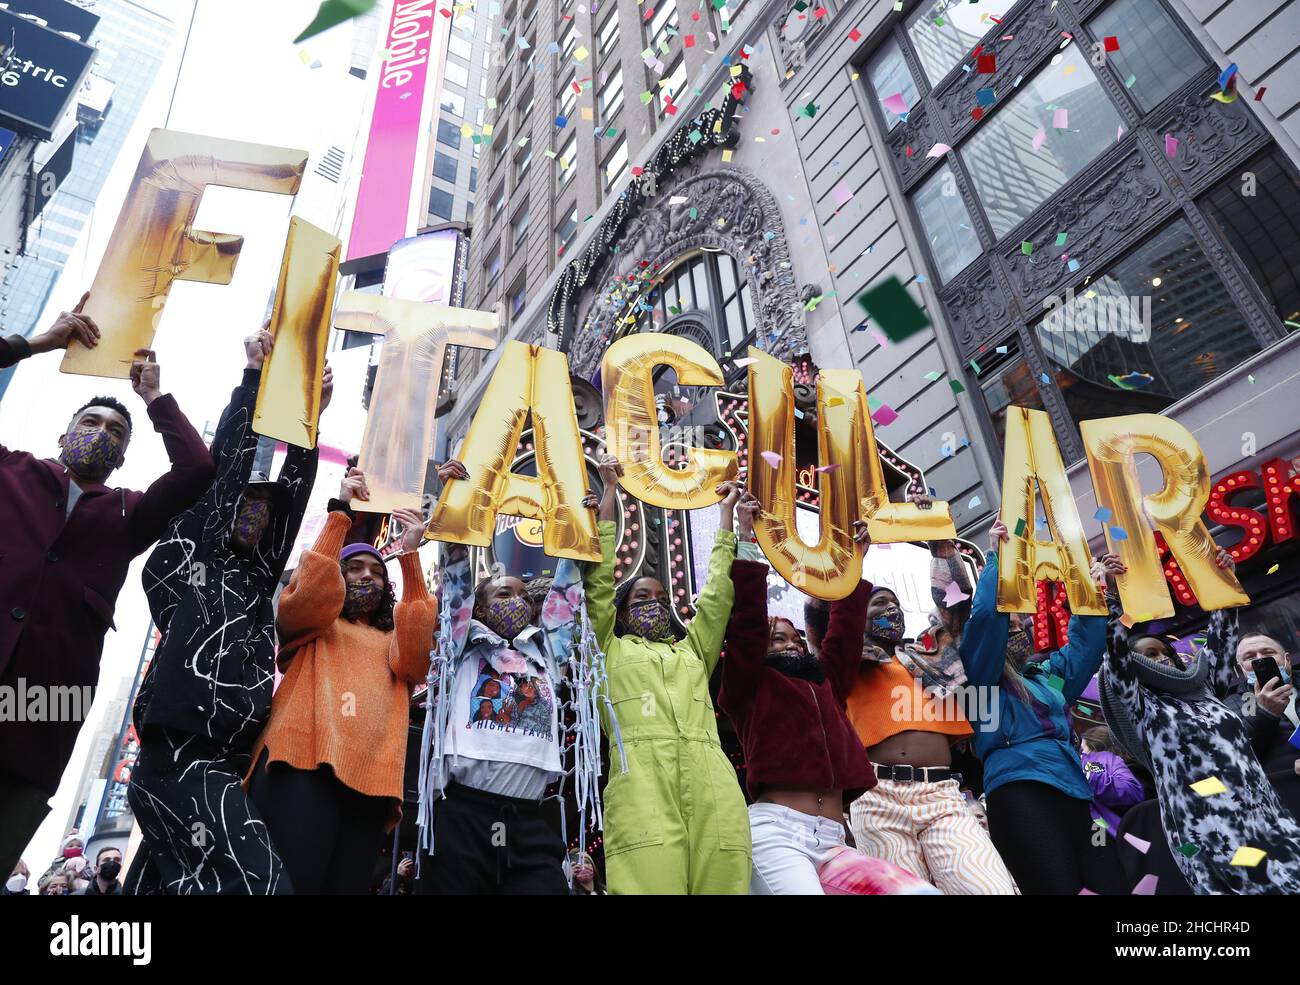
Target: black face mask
{"type": "Point", "coordinates": [110, 870]}
{"type": "Point", "coordinates": [797, 663]}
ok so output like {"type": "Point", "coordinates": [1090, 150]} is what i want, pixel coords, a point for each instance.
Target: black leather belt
{"type": "Point", "coordinates": [915, 774]}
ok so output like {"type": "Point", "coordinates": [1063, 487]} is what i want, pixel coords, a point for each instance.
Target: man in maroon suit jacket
{"type": "Point", "coordinates": [66, 541]}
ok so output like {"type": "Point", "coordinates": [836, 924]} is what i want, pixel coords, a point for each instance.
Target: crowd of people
{"type": "Point", "coordinates": [861, 773]}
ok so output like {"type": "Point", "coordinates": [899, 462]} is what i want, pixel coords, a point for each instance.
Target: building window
{"type": "Point", "coordinates": [459, 47]}
{"type": "Point", "coordinates": [1048, 132]}
{"type": "Point", "coordinates": [608, 35]}
{"type": "Point", "coordinates": [457, 74]}
{"type": "Point", "coordinates": [526, 103]}
{"type": "Point", "coordinates": [1109, 359]}
{"type": "Point", "coordinates": [568, 161]}
{"type": "Point", "coordinates": [711, 285]}
{"type": "Point", "coordinates": [946, 222]}
{"type": "Point", "coordinates": [499, 200]}
{"type": "Point", "coordinates": [519, 225]}
{"type": "Point", "coordinates": [890, 78]}
{"type": "Point", "coordinates": [522, 160]}
{"type": "Point", "coordinates": [492, 269]}
{"type": "Point", "coordinates": [473, 180]}
{"type": "Point", "coordinates": [518, 297]}
{"type": "Point", "coordinates": [1154, 58]}
{"type": "Point", "coordinates": [448, 133]}
{"type": "Point", "coordinates": [452, 102]}
{"type": "Point", "coordinates": [663, 21]}
{"type": "Point", "coordinates": [568, 97]}
{"type": "Point", "coordinates": [440, 203]}
{"type": "Point", "coordinates": [568, 41]}
{"type": "Point", "coordinates": [1264, 229]}
{"type": "Point", "coordinates": [565, 232]}
{"type": "Point", "coordinates": [611, 96]}
{"type": "Point", "coordinates": [672, 85]}
{"type": "Point", "coordinates": [615, 165]}
{"type": "Point", "coordinates": [1008, 383]}
{"type": "Point", "coordinates": [444, 166]}
{"type": "Point", "coordinates": [943, 32]}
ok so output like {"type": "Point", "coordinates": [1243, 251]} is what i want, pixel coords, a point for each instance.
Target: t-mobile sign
{"type": "Point", "coordinates": [40, 71]}
{"type": "Point", "coordinates": [390, 199]}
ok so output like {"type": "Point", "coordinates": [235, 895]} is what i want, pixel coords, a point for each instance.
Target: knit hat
{"type": "Point", "coordinates": [352, 550]}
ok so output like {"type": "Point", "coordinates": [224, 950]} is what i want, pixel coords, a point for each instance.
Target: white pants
{"type": "Point", "coordinates": [789, 848]}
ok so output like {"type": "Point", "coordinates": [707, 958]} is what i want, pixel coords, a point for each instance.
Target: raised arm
{"type": "Point", "coordinates": [1221, 638]}
{"type": "Point", "coordinates": [747, 637]}
{"type": "Point", "coordinates": [70, 326]}
{"type": "Point", "coordinates": [560, 609]}
{"type": "Point", "coordinates": [841, 652]}
{"type": "Point", "coordinates": [983, 646]}
{"type": "Point", "coordinates": [314, 596]}
{"type": "Point", "coordinates": [192, 470]}
{"type": "Point", "coordinates": [598, 580]}
{"type": "Point", "coordinates": [416, 615]}
{"type": "Point", "coordinates": [713, 605]}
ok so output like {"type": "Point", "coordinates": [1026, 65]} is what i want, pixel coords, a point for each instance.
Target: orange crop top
{"type": "Point", "coordinates": [877, 710]}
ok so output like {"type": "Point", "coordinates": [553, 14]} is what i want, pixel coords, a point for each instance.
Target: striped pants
{"type": "Point", "coordinates": [927, 829]}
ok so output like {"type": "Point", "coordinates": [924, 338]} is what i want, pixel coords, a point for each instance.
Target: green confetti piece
{"type": "Point", "coordinates": [1060, 238]}
{"type": "Point", "coordinates": [939, 22]}
{"type": "Point", "coordinates": [956, 387]}
{"type": "Point", "coordinates": [933, 376]}
{"type": "Point", "coordinates": [1055, 683]}
{"type": "Point", "coordinates": [695, 136]}
{"type": "Point", "coordinates": [695, 213]}
{"type": "Point", "coordinates": [647, 96]}
{"type": "Point", "coordinates": [1027, 248]}
{"type": "Point", "coordinates": [1189, 850]}
{"type": "Point", "coordinates": [1020, 527]}
{"type": "Point", "coordinates": [333, 12]}
{"type": "Point", "coordinates": [975, 366]}
{"type": "Point", "coordinates": [1128, 83]}
{"type": "Point", "coordinates": [894, 310]}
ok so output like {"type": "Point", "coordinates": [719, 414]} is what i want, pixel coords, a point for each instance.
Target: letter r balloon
{"type": "Point", "coordinates": [155, 243]}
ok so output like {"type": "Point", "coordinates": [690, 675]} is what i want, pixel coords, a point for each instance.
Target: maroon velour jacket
{"type": "Point", "coordinates": [60, 575]}
{"type": "Point", "coordinates": [795, 733]}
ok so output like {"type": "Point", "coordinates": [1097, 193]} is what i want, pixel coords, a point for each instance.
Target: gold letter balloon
{"type": "Point", "coordinates": [632, 421]}
{"type": "Point", "coordinates": [1113, 444]}
{"type": "Point", "coordinates": [1032, 456]}
{"type": "Point", "coordinates": [528, 380]}
{"type": "Point", "coordinates": [398, 439]}
{"type": "Point", "coordinates": [288, 402]}
{"type": "Point", "coordinates": [155, 243]}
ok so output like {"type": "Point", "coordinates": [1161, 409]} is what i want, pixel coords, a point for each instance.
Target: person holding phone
{"type": "Point", "coordinates": [1265, 700]}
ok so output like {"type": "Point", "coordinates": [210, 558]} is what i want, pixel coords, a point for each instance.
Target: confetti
{"type": "Point", "coordinates": [1060, 238]}
{"type": "Point", "coordinates": [1248, 856]}
{"type": "Point", "coordinates": [938, 150]}
{"type": "Point", "coordinates": [333, 12]}
{"type": "Point", "coordinates": [1171, 145]}
{"type": "Point", "coordinates": [855, 35]}
{"type": "Point", "coordinates": [954, 594]}
{"type": "Point", "coordinates": [986, 97]}
{"type": "Point", "coordinates": [1102, 514]}
{"type": "Point", "coordinates": [1110, 43]}
{"type": "Point", "coordinates": [1146, 886]}
{"type": "Point", "coordinates": [1138, 843]}
{"type": "Point", "coordinates": [974, 502]}
{"type": "Point", "coordinates": [1118, 533]}
{"type": "Point", "coordinates": [824, 469]}
{"type": "Point", "coordinates": [956, 387]}
{"type": "Point", "coordinates": [1061, 119]}
{"type": "Point", "coordinates": [885, 416]}
{"type": "Point", "coordinates": [1040, 137]}
{"type": "Point", "coordinates": [1189, 850]}
{"type": "Point", "coordinates": [986, 64]}
{"type": "Point", "coordinates": [896, 104]}
{"type": "Point", "coordinates": [1027, 248]}
{"type": "Point", "coordinates": [841, 193]}
{"type": "Point", "coordinates": [933, 376]}
{"type": "Point", "coordinates": [894, 310]}
{"type": "Point", "coordinates": [1208, 787]}
{"type": "Point", "coordinates": [772, 458]}
{"type": "Point", "coordinates": [1020, 527]}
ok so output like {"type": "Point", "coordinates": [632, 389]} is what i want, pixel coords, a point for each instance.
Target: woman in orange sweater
{"type": "Point", "coordinates": [328, 767]}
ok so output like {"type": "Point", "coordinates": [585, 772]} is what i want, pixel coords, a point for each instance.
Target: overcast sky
{"type": "Point", "coordinates": [242, 79]}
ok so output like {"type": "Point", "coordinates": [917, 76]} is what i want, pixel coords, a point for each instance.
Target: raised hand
{"type": "Point", "coordinates": [1274, 697]}
{"type": "Point", "coordinates": [413, 527]}
{"type": "Point", "coordinates": [997, 534]}
{"type": "Point", "coordinates": [452, 469]}
{"type": "Point", "coordinates": [354, 486]}
{"type": "Point", "coordinates": [747, 511]}
{"type": "Point", "coordinates": [923, 500]}
{"type": "Point", "coordinates": [861, 534]}
{"type": "Point", "coordinates": [145, 375]}
{"type": "Point", "coordinates": [70, 326]}
{"type": "Point", "coordinates": [1224, 560]}
{"type": "Point", "coordinates": [591, 501]}
{"type": "Point", "coordinates": [258, 346]}
{"type": "Point", "coordinates": [610, 469]}
{"type": "Point", "coordinates": [1106, 568]}
{"type": "Point", "coordinates": [326, 387]}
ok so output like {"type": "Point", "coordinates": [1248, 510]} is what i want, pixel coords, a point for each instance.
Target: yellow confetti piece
{"type": "Point", "coordinates": [1208, 787]}
{"type": "Point", "coordinates": [726, 157]}
{"type": "Point", "coordinates": [1247, 856]}
{"type": "Point", "coordinates": [1272, 569]}
{"type": "Point", "coordinates": [581, 54]}
{"type": "Point", "coordinates": [854, 77]}
{"type": "Point", "coordinates": [735, 70]}
{"type": "Point", "coordinates": [487, 129]}
{"type": "Point", "coordinates": [466, 130]}
{"type": "Point", "coordinates": [587, 113]}
{"type": "Point", "coordinates": [303, 56]}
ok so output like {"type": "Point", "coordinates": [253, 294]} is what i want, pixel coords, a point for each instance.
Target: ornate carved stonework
{"type": "Point", "coordinates": [1211, 136]}
{"type": "Point", "coordinates": [1101, 219]}
{"type": "Point", "coordinates": [977, 309]}
{"type": "Point", "coordinates": [918, 134]}
{"type": "Point", "coordinates": [1035, 30]}
{"type": "Point", "coordinates": [733, 212]}
{"type": "Point", "coordinates": [802, 31]}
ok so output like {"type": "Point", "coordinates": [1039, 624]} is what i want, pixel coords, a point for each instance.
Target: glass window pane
{"type": "Point", "coordinates": [456, 73]}
{"type": "Point", "coordinates": [611, 96]}
{"type": "Point", "coordinates": [889, 76]}
{"type": "Point", "coordinates": [440, 203]}
{"type": "Point", "coordinates": [1264, 229]}
{"type": "Point", "coordinates": [947, 225]}
{"type": "Point", "coordinates": [750, 323]}
{"type": "Point", "coordinates": [1011, 177]}
{"type": "Point", "coordinates": [734, 318]}
{"type": "Point", "coordinates": [1153, 53]}
{"type": "Point", "coordinates": [444, 166]}
{"type": "Point", "coordinates": [616, 164]}
{"type": "Point", "coordinates": [608, 34]}
{"type": "Point", "coordinates": [1112, 358]}
{"type": "Point", "coordinates": [452, 102]}
{"type": "Point", "coordinates": [448, 133]}
{"type": "Point", "coordinates": [700, 284]}
{"type": "Point", "coordinates": [726, 274]}
{"type": "Point", "coordinates": [943, 32]}
{"type": "Point", "coordinates": [673, 85]}
{"type": "Point", "coordinates": [567, 161]}
{"type": "Point", "coordinates": [1013, 386]}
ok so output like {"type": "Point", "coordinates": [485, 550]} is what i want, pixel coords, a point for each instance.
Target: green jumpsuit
{"type": "Point", "coordinates": [676, 822]}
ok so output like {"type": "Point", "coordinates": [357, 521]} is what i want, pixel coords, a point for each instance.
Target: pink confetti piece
{"type": "Point", "coordinates": [954, 594]}
{"type": "Point", "coordinates": [896, 104]}
{"type": "Point", "coordinates": [747, 361]}
{"type": "Point", "coordinates": [1061, 119]}
{"type": "Point", "coordinates": [1138, 843]}
{"type": "Point", "coordinates": [938, 150]}
{"type": "Point", "coordinates": [885, 415]}
{"type": "Point", "coordinates": [841, 193]}
{"type": "Point", "coordinates": [1038, 140]}
{"type": "Point", "coordinates": [772, 458]}
{"type": "Point", "coordinates": [1119, 132]}
{"type": "Point", "coordinates": [1171, 145]}
{"type": "Point", "coordinates": [1085, 891]}
{"type": "Point", "coordinates": [827, 468]}
{"type": "Point", "coordinates": [1146, 886]}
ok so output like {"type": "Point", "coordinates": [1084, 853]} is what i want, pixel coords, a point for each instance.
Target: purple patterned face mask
{"type": "Point", "coordinates": [90, 454]}
{"type": "Point", "coordinates": [1019, 647]}
{"type": "Point", "coordinates": [889, 625]}
{"type": "Point", "coordinates": [251, 520]}
{"type": "Point", "coordinates": [508, 617]}
{"type": "Point", "coordinates": [649, 620]}
{"type": "Point", "coordinates": [362, 596]}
